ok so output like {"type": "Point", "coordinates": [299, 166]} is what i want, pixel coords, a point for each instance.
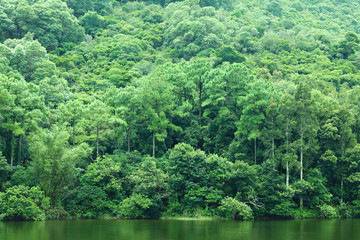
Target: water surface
{"type": "Point", "coordinates": [339, 229]}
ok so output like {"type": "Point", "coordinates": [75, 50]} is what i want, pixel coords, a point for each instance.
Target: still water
{"type": "Point", "coordinates": [348, 229]}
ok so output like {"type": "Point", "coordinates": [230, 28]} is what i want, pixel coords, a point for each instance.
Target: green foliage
{"type": "Point", "coordinates": [90, 202]}
{"type": "Point", "coordinates": [51, 22]}
{"type": "Point", "coordinates": [54, 163]}
{"type": "Point", "coordinates": [22, 176]}
{"type": "Point", "coordinates": [186, 167]}
{"type": "Point", "coordinates": [134, 206]}
{"type": "Point", "coordinates": [23, 203]}
{"type": "Point", "coordinates": [81, 7]}
{"type": "Point", "coordinates": [254, 101]}
{"type": "Point", "coordinates": [4, 170]}
{"type": "Point", "coordinates": [229, 54]}
{"type": "Point", "coordinates": [328, 211]}
{"type": "Point", "coordinates": [313, 190]}
{"type": "Point", "coordinates": [107, 175]}
{"type": "Point", "coordinates": [92, 23]}
{"type": "Point", "coordinates": [274, 8]}
{"type": "Point", "coordinates": [284, 209]}
{"type": "Point", "coordinates": [356, 208]}
{"type": "Point", "coordinates": [347, 47]}
{"type": "Point", "coordinates": [306, 213]}
{"type": "Point", "coordinates": [234, 209]}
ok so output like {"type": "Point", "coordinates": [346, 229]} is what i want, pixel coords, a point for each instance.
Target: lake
{"type": "Point", "coordinates": [312, 229]}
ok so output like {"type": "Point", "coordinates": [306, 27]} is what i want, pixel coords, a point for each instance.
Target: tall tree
{"type": "Point", "coordinates": [287, 123]}
{"type": "Point", "coordinates": [196, 71]}
{"type": "Point", "coordinates": [24, 113]}
{"type": "Point", "coordinates": [71, 114]}
{"type": "Point", "coordinates": [99, 116]}
{"type": "Point", "coordinates": [306, 123]}
{"type": "Point", "coordinates": [54, 162]}
{"type": "Point", "coordinates": [157, 104]}
{"type": "Point", "coordinates": [254, 105]}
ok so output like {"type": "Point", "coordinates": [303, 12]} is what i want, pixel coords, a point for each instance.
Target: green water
{"type": "Point", "coordinates": [348, 229]}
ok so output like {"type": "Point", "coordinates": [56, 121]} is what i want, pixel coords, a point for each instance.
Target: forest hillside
{"type": "Point", "coordinates": [148, 109]}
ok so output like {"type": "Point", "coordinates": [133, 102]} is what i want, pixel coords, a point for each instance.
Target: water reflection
{"type": "Point", "coordinates": [180, 230]}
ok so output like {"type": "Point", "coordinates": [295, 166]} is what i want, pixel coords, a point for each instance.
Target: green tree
{"type": "Point", "coordinates": [82, 7]}
{"type": "Point", "coordinates": [157, 104]}
{"type": "Point", "coordinates": [4, 171]}
{"type": "Point", "coordinates": [254, 105]}
{"type": "Point", "coordinates": [307, 123]}
{"type": "Point", "coordinates": [92, 23]}
{"type": "Point", "coordinates": [125, 103]}
{"type": "Point", "coordinates": [23, 203]}
{"type": "Point", "coordinates": [234, 209]}
{"type": "Point", "coordinates": [51, 22]}
{"type": "Point", "coordinates": [134, 206]}
{"type": "Point", "coordinates": [187, 169]}
{"type": "Point", "coordinates": [287, 123]}
{"type": "Point", "coordinates": [99, 116]}
{"type": "Point", "coordinates": [54, 162]}
{"type": "Point", "coordinates": [150, 181]}
{"type": "Point", "coordinates": [196, 71]}
{"type": "Point", "coordinates": [70, 114]}
{"type": "Point", "coordinates": [24, 113]}
{"type": "Point", "coordinates": [108, 175]}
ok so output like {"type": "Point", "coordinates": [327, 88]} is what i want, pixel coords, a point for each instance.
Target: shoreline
{"type": "Point", "coordinates": [183, 218]}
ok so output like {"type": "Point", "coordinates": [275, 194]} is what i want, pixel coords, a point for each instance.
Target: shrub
{"type": "Point", "coordinates": [232, 208]}
{"type": "Point", "coordinates": [91, 202]}
{"type": "Point", "coordinates": [306, 213]}
{"type": "Point", "coordinates": [345, 210]}
{"type": "Point", "coordinates": [134, 206]}
{"type": "Point", "coordinates": [327, 211]}
{"type": "Point", "coordinates": [23, 203]}
{"type": "Point", "coordinates": [284, 209]}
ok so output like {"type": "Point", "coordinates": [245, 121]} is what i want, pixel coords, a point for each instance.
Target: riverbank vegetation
{"type": "Point", "coordinates": [149, 109]}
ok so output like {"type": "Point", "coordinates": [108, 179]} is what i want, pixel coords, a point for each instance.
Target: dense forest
{"type": "Point", "coordinates": [148, 109]}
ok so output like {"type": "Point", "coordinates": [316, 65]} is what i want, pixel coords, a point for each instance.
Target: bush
{"type": "Point", "coordinates": [284, 209]}
{"type": "Point", "coordinates": [91, 202]}
{"type": "Point", "coordinates": [232, 208]}
{"type": "Point", "coordinates": [327, 211]}
{"type": "Point", "coordinates": [4, 170]}
{"type": "Point", "coordinates": [306, 213]}
{"type": "Point", "coordinates": [23, 203]}
{"type": "Point", "coordinates": [174, 208]}
{"type": "Point", "coordinates": [345, 210]}
{"type": "Point", "coordinates": [134, 206]}
{"type": "Point", "coordinates": [356, 208]}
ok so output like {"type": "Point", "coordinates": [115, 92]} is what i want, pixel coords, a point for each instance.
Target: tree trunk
{"type": "Point", "coordinates": [12, 151]}
{"type": "Point", "coordinates": [73, 135]}
{"type": "Point", "coordinates": [200, 102]}
{"type": "Point", "coordinates": [20, 148]}
{"type": "Point", "coordinates": [128, 140]}
{"type": "Point", "coordinates": [301, 172]}
{"type": "Point", "coordinates": [341, 189]}
{"type": "Point", "coordinates": [342, 169]}
{"type": "Point", "coordinates": [287, 174]}
{"type": "Point", "coordinates": [97, 141]}
{"type": "Point", "coordinates": [154, 140]}
{"type": "Point", "coordinates": [233, 215]}
{"type": "Point", "coordinates": [301, 163]}
{"type": "Point", "coordinates": [128, 133]}
{"type": "Point", "coordinates": [287, 152]}
{"type": "Point", "coordinates": [273, 150]}
{"type": "Point", "coordinates": [301, 160]}
{"type": "Point", "coordinates": [255, 149]}
{"type": "Point", "coordinates": [301, 150]}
